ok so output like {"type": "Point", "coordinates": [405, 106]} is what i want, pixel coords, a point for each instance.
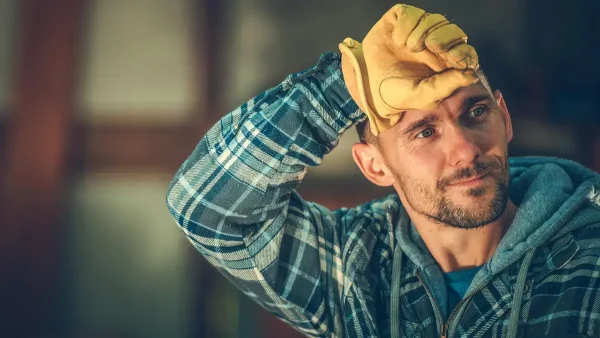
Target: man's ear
{"type": "Point", "coordinates": [370, 162]}
{"type": "Point", "coordinates": [505, 114]}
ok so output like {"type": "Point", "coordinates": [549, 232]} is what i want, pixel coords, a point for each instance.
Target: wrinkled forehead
{"type": "Point", "coordinates": [461, 99]}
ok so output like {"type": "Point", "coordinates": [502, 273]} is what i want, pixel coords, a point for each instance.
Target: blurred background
{"type": "Point", "coordinates": [102, 100]}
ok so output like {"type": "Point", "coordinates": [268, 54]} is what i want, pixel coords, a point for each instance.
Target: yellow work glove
{"type": "Point", "coordinates": [409, 60]}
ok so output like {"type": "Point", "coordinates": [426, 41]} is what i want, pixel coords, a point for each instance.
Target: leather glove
{"type": "Point", "coordinates": [410, 59]}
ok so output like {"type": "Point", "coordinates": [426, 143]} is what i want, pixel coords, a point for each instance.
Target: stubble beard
{"type": "Point", "coordinates": [438, 206]}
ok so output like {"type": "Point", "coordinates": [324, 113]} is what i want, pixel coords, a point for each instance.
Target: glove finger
{"type": "Point", "coordinates": [429, 22]}
{"type": "Point", "coordinates": [404, 94]}
{"type": "Point", "coordinates": [461, 57]}
{"type": "Point", "coordinates": [444, 38]}
{"type": "Point", "coordinates": [407, 19]}
{"type": "Point", "coordinates": [351, 50]}
{"type": "Point", "coordinates": [434, 89]}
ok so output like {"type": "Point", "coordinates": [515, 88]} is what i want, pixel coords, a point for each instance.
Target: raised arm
{"type": "Point", "coordinates": [234, 197]}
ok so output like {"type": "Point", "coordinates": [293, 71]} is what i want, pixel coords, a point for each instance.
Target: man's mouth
{"type": "Point", "coordinates": [472, 181]}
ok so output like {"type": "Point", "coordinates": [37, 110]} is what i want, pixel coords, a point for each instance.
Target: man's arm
{"type": "Point", "coordinates": [234, 197]}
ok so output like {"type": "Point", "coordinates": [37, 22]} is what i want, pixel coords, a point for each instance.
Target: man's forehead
{"type": "Point", "coordinates": [476, 91]}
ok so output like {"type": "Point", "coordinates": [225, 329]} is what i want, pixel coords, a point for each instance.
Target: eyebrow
{"type": "Point", "coordinates": [428, 119]}
{"type": "Point", "coordinates": [470, 101]}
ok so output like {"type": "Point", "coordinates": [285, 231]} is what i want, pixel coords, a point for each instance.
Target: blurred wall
{"type": "Point", "coordinates": [138, 61]}
{"type": "Point", "coordinates": [127, 271]}
{"type": "Point", "coordinates": [8, 16]}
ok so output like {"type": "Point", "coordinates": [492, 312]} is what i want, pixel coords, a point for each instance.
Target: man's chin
{"type": "Point", "coordinates": [485, 209]}
{"type": "Point", "coordinates": [476, 195]}
{"type": "Point", "coordinates": [470, 218]}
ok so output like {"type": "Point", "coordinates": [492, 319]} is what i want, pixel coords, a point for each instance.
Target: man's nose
{"type": "Point", "coordinates": [463, 149]}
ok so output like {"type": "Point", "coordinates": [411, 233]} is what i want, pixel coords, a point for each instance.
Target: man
{"type": "Point", "coordinates": [469, 245]}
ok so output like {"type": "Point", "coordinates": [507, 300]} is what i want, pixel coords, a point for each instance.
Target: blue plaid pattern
{"type": "Point", "coordinates": [328, 273]}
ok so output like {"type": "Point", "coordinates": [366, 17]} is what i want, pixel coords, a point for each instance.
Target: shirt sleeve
{"type": "Point", "coordinates": [234, 197]}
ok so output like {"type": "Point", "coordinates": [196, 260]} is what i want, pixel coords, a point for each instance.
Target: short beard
{"type": "Point", "coordinates": [459, 217]}
{"type": "Point", "coordinates": [444, 211]}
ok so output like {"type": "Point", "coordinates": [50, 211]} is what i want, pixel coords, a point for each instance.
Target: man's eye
{"type": "Point", "coordinates": [425, 133]}
{"type": "Point", "coordinates": [477, 111]}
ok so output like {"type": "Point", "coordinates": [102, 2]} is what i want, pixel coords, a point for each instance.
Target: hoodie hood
{"type": "Point", "coordinates": [555, 196]}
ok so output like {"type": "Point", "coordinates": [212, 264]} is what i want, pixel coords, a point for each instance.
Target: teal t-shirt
{"type": "Point", "coordinates": [457, 283]}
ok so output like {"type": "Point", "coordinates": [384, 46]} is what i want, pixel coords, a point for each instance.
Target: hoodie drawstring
{"type": "Point", "coordinates": [395, 303]}
{"type": "Point", "coordinates": [519, 292]}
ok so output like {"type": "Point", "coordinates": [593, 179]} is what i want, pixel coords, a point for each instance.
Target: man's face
{"type": "Point", "coordinates": [451, 163]}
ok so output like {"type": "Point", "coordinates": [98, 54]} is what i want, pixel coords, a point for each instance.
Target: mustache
{"type": "Point", "coordinates": [478, 169]}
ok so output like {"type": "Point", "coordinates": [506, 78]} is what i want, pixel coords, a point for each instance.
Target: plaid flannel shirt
{"type": "Point", "coordinates": [328, 273]}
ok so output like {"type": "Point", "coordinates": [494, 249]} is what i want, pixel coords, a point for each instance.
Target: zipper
{"type": "Point", "coordinates": [444, 326]}
{"type": "Point", "coordinates": [444, 330]}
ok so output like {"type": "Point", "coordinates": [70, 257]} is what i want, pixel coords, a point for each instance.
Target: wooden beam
{"type": "Point", "coordinates": [134, 148]}
{"type": "Point", "coordinates": [208, 46]}
{"type": "Point", "coordinates": [208, 18]}
{"type": "Point", "coordinates": [3, 148]}
{"type": "Point", "coordinates": [36, 163]}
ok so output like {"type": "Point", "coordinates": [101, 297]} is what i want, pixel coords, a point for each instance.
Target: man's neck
{"type": "Point", "coordinates": [457, 249]}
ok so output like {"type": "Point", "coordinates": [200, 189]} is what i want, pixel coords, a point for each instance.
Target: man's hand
{"type": "Point", "coordinates": [409, 60]}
